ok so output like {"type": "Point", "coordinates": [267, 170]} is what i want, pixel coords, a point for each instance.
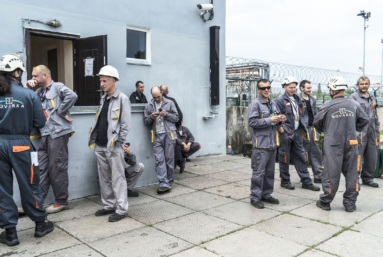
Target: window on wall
{"type": "Point", "coordinates": [138, 46]}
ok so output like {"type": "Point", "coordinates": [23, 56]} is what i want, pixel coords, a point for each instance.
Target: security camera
{"type": "Point", "coordinates": [205, 7]}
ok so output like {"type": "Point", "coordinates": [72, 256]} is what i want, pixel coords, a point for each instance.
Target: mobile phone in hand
{"type": "Point", "coordinates": [160, 110]}
{"type": "Point", "coordinates": [128, 144]}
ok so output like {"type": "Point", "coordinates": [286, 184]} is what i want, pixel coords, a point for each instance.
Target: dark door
{"type": "Point", "coordinates": [89, 55]}
{"type": "Point", "coordinates": [53, 64]}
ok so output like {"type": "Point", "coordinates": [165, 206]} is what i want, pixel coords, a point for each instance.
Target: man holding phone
{"type": "Point", "coordinates": [161, 114]}
{"type": "Point", "coordinates": [133, 172]}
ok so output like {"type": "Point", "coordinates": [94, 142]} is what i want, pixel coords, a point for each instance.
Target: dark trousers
{"type": "Point", "coordinates": [180, 154]}
{"type": "Point", "coordinates": [15, 153]}
{"type": "Point", "coordinates": [53, 159]}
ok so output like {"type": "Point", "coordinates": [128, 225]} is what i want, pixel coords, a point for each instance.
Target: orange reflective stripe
{"type": "Point", "coordinates": [303, 134]}
{"type": "Point", "coordinates": [358, 167]}
{"type": "Point", "coordinates": [21, 148]}
{"type": "Point", "coordinates": [357, 186]}
{"type": "Point", "coordinates": [353, 141]}
{"type": "Point", "coordinates": [376, 139]}
{"type": "Point", "coordinates": [329, 192]}
{"type": "Point", "coordinates": [285, 158]}
{"type": "Point", "coordinates": [361, 139]}
{"type": "Point", "coordinates": [32, 174]}
{"type": "Point", "coordinates": [45, 113]}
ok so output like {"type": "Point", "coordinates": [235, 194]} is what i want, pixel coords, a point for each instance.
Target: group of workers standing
{"type": "Point", "coordinates": [293, 125]}
{"type": "Point", "coordinates": [26, 114]}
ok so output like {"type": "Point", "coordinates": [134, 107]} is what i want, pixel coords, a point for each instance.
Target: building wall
{"type": "Point", "coordinates": [180, 59]}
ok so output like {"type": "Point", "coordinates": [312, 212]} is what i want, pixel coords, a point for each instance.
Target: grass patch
{"type": "Point", "coordinates": [341, 231]}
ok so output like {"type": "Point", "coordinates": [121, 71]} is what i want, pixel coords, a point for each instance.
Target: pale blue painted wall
{"type": "Point", "coordinates": [180, 59]}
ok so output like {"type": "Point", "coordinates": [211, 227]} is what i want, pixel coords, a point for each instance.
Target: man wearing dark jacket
{"type": "Point", "coordinates": [133, 172]}
{"type": "Point", "coordinates": [185, 147]}
{"type": "Point", "coordinates": [165, 92]}
{"type": "Point", "coordinates": [138, 97]}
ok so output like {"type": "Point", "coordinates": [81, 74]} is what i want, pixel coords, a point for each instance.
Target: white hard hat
{"type": "Point", "coordinates": [109, 71]}
{"type": "Point", "coordinates": [288, 80]}
{"type": "Point", "coordinates": [9, 63]}
{"type": "Point", "coordinates": [337, 83]}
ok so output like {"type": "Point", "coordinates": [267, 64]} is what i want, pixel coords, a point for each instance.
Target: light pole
{"type": "Point", "coordinates": [365, 16]}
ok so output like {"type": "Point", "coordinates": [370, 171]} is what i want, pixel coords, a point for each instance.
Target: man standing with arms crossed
{"type": "Point", "coordinates": [56, 100]}
{"type": "Point", "coordinates": [368, 138]}
{"type": "Point", "coordinates": [291, 137]}
{"type": "Point", "coordinates": [263, 117]}
{"type": "Point", "coordinates": [107, 137]}
{"type": "Point", "coordinates": [339, 119]}
{"type": "Point", "coordinates": [161, 114]}
{"type": "Point", "coordinates": [311, 142]}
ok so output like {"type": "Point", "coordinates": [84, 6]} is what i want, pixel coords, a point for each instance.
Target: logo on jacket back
{"type": "Point", "coordinates": [342, 113]}
{"type": "Point", "coordinates": [9, 102]}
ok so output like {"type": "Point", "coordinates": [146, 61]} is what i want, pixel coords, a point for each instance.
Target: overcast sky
{"type": "Point", "coordinates": [318, 33]}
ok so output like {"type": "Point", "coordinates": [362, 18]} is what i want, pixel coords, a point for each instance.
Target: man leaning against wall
{"type": "Point", "coordinates": [56, 100]}
{"type": "Point", "coordinates": [107, 137]}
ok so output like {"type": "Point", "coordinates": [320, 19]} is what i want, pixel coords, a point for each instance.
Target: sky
{"type": "Point", "coordinates": [324, 34]}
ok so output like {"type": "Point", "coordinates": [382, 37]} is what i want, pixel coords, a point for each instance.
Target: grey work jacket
{"type": "Point", "coordinates": [264, 134]}
{"type": "Point", "coordinates": [186, 137]}
{"type": "Point", "coordinates": [58, 100]}
{"type": "Point", "coordinates": [369, 107]}
{"type": "Point", "coordinates": [169, 120]}
{"type": "Point", "coordinates": [130, 159]}
{"type": "Point", "coordinates": [119, 118]}
{"type": "Point", "coordinates": [314, 109]}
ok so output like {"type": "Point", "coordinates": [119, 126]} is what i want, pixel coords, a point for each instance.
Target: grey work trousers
{"type": "Point", "coordinates": [339, 160]}
{"type": "Point", "coordinates": [180, 154]}
{"type": "Point", "coordinates": [132, 174]}
{"type": "Point", "coordinates": [262, 180]}
{"type": "Point", "coordinates": [53, 161]}
{"type": "Point", "coordinates": [314, 153]}
{"type": "Point", "coordinates": [164, 154]}
{"type": "Point", "coordinates": [369, 154]}
{"type": "Point", "coordinates": [293, 145]}
{"type": "Point", "coordinates": [113, 185]}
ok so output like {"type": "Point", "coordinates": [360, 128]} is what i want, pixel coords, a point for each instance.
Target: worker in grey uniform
{"type": "Point", "coordinates": [53, 153]}
{"type": "Point", "coordinates": [161, 115]}
{"type": "Point", "coordinates": [133, 172]}
{"type": "Point", "coordinates": [314, 155]}
{"type": "Point", "coordinates": [107, 137]}
{"type": "Point", "coordinates": [264, 118]}
{"type": "Point", "coordinates": [291, 136]}
{"type": "Point", "coordinates": [368, 139]}
{"type": "Point", "coordinates": [339, 119]}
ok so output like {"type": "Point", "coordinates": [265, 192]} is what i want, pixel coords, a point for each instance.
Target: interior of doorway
{"type": "Point", "coordinates": [56, 54]}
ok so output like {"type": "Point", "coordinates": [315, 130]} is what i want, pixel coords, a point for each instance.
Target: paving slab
{"type": "Point", "coordinates": [249, 242]}
{"type": "Point", "coordinates": [76, 251]}
{"type": "Point", "coordinates": [32, 246]}
{"type": "Point", "coordinates": [286, 202]}
{"type": "Point", "coordinates": [92, 228]}
{"type": "Point", "coordinates": [227, 165]}
{"type": "Point", "coordinates": [372, 225]}
{"type": "Point", "coordinates": [200, 200]}
{"type": "Point", "coordinates": [246, 161]}
{"type": "Point", "coordinates": [143, 198]}
{"type": "Point", "coordinates": [365, 202]}
{"type": "Point", "coordinates": [234, 191]}
{"type": "Point", "coordinates": [315, 253]}
{"type": "Point", "coordinates": [25, 223]}
{"type": "Point", "coordinates": [176, 190]}
{"type": "Point", "coordinates": [246, 170]}
{"type": "Point", "coordinates": [230, 176]}
{"type": "Point", "coordinates": [297, 229]}
{"type": "Point", "coordinates": [204, 160]}
{"type": "Point", "coordinates": [77, 208]}
{"type": "Point", "coordinates": [195, 252]}
{"type": "Point", "coordinates": [241, 213]}
{"type": "Point", "coordinates": [157, 211]}
{"type": "Point", "coordinates": [197, 228]}
{"type": "Point", "coordinates": [203, 170]}
{"type": "Point", "coordinates": [246, 182]}
{"type": "Point", "coordinates": [143, 242]}
{"type": "Point", "coordinates": [179, 176]}
{"type": "Point", "coordinates": [228, 157]}
{"type": "Point", "coordinates": [337, 215]}
{"type": "Point", "coordinates": [298, 192]}
{"type": "Point", "coordinates": [354, 244]}
{"type": "Point", "coordinates": [201, 182]}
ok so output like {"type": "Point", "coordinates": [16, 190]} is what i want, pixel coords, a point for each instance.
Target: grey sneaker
{"type": "Point", "coordinates": [54, 208]}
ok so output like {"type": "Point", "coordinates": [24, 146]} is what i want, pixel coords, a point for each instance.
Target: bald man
{"type": "Point", "coordinates": [161, 114]}
{"type": "Point", "coordinates": [56, 100]}
{"type": "Point", "coordinates": [165, 92]}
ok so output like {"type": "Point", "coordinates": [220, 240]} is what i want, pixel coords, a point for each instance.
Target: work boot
{"type": "Point", "coordinates": [54, 208]}
{"type": "Point", "coordinates": [350, 208]}
{"type": "Point", "coordinates": [104, 212]}
{"type": "Point", "coordinates": [371, 184]}
{"type": "Point", "coordinates": [163, 190]}
{"type": "Point", "coordinates": [318, 180]}
{"type": "Point", "coordinates": [288, 186]}
{"type": "Point", "coordinates": [323, 206]}
{"type": "Point", "coordinates": [257, 204]}
{"type": "Point", "coordinates": [21, 211]}
{"type": "Point", "coordinates": [182, 166]}
{"type": "Point", "coordinates": [115, 217]}
{"type": "Point", "coordinates": [132, 193]}
{"type": "Point", "coordinates": [311, 187]}
{"type": "Point", "coordinates": [9, 237]}
{"type": "Point", "coordinates": [271, 200]}
{"type": "Point", "coordinates": [43, 227]}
